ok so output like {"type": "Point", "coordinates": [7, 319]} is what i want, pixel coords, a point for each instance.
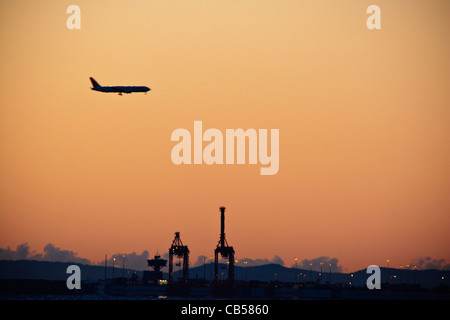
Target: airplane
{"type": "Point", "coordinates": [118, 89]}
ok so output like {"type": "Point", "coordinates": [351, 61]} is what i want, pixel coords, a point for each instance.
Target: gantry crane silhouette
{"type": "Point", "coordinates": [225, 251]}
{"type": "Point", "coordinates": [177, 248]}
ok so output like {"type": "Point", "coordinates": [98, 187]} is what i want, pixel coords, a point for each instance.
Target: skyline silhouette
{"type": "Point", "coordinates": [136, 261]}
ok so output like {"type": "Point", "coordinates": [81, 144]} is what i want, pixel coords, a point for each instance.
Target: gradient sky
{"type": "Point", "coordinates": [364, 120]}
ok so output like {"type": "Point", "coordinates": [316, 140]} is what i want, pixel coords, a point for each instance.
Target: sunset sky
{"type": "Point", "coordinates": [363, 115]}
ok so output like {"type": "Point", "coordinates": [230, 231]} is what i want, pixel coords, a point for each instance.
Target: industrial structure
{"type": "Point", "coordinates": [157, 263]}
{"type": "Point", "coordinates": [225, 251]}
{"type": "Point", "coordinates": [181, 251]}
{"type": "Point", "coordinates": [177, 248]}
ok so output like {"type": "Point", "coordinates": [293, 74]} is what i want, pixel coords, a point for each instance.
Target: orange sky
{"type": "Point", "coordinates": [363, 115]}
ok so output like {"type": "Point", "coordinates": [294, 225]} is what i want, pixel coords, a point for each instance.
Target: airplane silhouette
{"type": "Point", "coordinates": [118, 89]}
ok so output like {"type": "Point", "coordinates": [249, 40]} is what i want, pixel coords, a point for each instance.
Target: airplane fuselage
{"type": "Point", "coordinates": [122, 89]}
{"type": "Point", "coordinates": [118, 89]}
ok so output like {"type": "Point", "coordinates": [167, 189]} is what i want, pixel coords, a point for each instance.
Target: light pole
{"type": "Point", "coordinates": [245, 267]}
{"type": "Point", "coordinates": [330, 274]}
{"type": "Point", "coordinates": [114, 260]}
{"type": "Point", "coordinates": [212, 266]}
{"type": "Point", "coordinates": [204, 268]}
{"type": "Point", "coordinates": [296, 272]}
{"type": "Point", "coordinates": [415, 278]}
{"type": "Point", "coordinates": [389, 276]}
{"type": "Point", "coordinates": [320, 275]}
{"type": "Point", "coordinates": [407, 274]}
{"type": "Point", "coordinates": [123, 269]}
{"type": "Point", "coordinates": [310, 271]}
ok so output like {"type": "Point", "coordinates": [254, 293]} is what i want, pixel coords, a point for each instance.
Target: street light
{"type": "Point", "coordinates": [114, 260]}
{"type": "Point", "coordinates": [245, 267]}
{"type": "Point", "coordinates": [330, 273]}
{"type": "Point", "coordinates": [212, 266]}
{"type": "Point", "coordinates": [388, 260]}
{"type": "Point", "coordinates": [415, 276]}
{"type": "Point", "coordinates": [123, 269]}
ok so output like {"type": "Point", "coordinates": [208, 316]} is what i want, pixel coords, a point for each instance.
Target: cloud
{"type": "Point", "coordinates": [258, 262]}
{"type": "Point", "coordinates": [8, 254]}
{"type": "Point", "coordinates": [250, 262]}
{"type": "Point", "coordinates": [132, 260]}
{"type": "Point", "coordinates": [314, 264]}
{"type": "Point", "coordinates": [22, 252]}
{"type": "Point", "coordinates": [430, 263]}
{"type": "Point", "coordinates": [201, 260]}
{"type": "Point", "coordinates": [56, 254]}
{"type": "Point", "coordinates": [51, 253]}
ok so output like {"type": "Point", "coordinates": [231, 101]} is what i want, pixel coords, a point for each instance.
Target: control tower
{"type": "Point", "coordinates": [157, 263]}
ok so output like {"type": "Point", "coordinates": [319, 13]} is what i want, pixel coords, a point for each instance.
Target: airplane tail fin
{"type": "Point", "coordinates": [94, 83]}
